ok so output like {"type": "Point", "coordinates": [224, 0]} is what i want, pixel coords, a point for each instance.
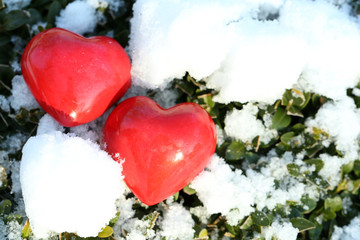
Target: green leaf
{"type": "Point", "coordinates": [260, 218]}
{"type": "Point", "coordinates": [115, 219]}
{"type": "Point", "coordinates": [247, 223]}
{"type": "Point", "coordinates": [286, 138]}
{"type": "Point", "coordinates": [298, 128]}
{"type": "Point", "coordinates": [333, 204]}
{"type": "Point", "coordinates": [54, 10]}
{"type": "Point", "coordinates": [235, 151]}
{"type": "Point", "coordinates": [280, 119]}
{"type": "Point", "coordinates": [347, 168]}
{"type": "Point", "coordinates": [106, 232]}
{"type": "Point", "coordinates": [329, 215]}
{"type": "Point", "coordinates": [26, 231]}
{"type": "Point", "coordinates": [189, 191]}
{"type": "Point", "coordinates": [15, 19]}
{"type": "Point", "coordinates": [357, 167]}
{"type": "Point", "coordinates": [319, 164]}
{"type": "Point", "coordinates": [203, 233]}
{"type": "Point", "coordinates": [4, 39]}
{"type": "Point", "coordinates": [176, 196]}
{"type": "Point", "coordinates": [294, 170]}
{"type": "Point", "coordinates": [302, 224]}
{"type": "Point", "coordinates": [5, 207]}
{"type": "Point", "coordinates": [355, 186]}
{"type": "Point", "coordinates": [309, 204]}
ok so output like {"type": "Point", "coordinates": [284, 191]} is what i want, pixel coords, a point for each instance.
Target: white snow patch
{"type": "Point", "coordinates": [16, 4]}
{"type": "Point", "coordinates": [280, 230]}
{"type": "Point", "coordinates": [177, 223]}
{"type": "Point", "coordinates": [243, 125]}
{"type": "Point", "coordinates": [68, 184]}
{"type": "Point", "coordinates": [79, 17]}
{"type": "Point", "coordinates": [4, 104]}
{"type": "Point", "coordinates": [349, 232]}
{"type": "Point", "coordinates": [235, 48]}
{"type": "Point", "coordinates": [21, 96]}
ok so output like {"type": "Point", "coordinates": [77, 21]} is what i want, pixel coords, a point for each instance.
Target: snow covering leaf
{"type": "Point", "coordinates": [302, 224]}
{"type": "Point", "coordinates": [294, 170]}
{"type": "Point", "coordinates": [319, 164]}
{"type": "Point", "coordinates": [106, 232]}
{"type": "Point", "coordinates": [15, 19]}
{"type": "Point", "coordinates": [13, 217]}
{"type": "Point", "coordinates": [235, 151]}
{"type": "Point", "coordinates": [280, 119]}
{"type": "Point", "coordinates": [260, 218]}
{"type": "Point", "coordinates": [294, 101]}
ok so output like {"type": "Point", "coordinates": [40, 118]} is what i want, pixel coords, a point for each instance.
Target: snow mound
{"type": "Point", "coordinates": [68, 185]}
{"type": "Point", "coordinates": [238, 46]}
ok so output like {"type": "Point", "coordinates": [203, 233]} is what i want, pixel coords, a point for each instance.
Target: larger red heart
{"type": "Point", "coordinates": [75, 79]}
{"type": "Point", "coordinates": [163, 149]}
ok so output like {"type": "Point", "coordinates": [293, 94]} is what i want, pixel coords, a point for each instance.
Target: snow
{"type": "Point", "coordinates": [16, 4]}
{"type": "Point", "coordinates": [349, 232]}
{"type": "Point", "coordinates": [68, 184]}
{"type": "Point", "coordinates": [280, 230]}
{"type": "Point", "coordinates": [177, 223]}
{"type": "Point", "coordinates": [341, 119]}
{"type": "Point", "coordinates": [239, 192]}
{"type": "Point", "coordinates": [249, 51]}
{"type": "Point", "coordinates": [244, 126]}
{"type": "Point", "coordinates": [78, 17]}
{"type": "Point", "coordinates": [235, 48]}
{"type": "Point", "coordinates": [21, 96]}
{"type": "Point", "coordinates": [4, 104]}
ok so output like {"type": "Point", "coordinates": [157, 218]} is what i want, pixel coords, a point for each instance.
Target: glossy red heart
{"type": "Point", "coordinates": [163, 149]}
{"type": "Point", "coordinates": [75, 79]}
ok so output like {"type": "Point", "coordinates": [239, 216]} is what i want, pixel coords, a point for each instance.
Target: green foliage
{"type": "Point", "coordinates": [288, 117]}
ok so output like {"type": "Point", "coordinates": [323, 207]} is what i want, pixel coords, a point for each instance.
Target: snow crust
{"type": "Point", "coordinates": [68, 184]}
{"type": "Point", "coordinates": [238, 46]}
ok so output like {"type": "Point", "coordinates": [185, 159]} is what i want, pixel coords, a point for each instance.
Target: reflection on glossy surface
{"type": "Point", "coordinates": [164, 149]}
{"type": "Point", "coordinates": [75, 79]}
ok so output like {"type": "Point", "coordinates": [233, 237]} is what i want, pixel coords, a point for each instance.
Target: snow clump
{"type": "Point", "coordinates": [68, 184]}
{"type": "Point", "coordinates": [78, 17]}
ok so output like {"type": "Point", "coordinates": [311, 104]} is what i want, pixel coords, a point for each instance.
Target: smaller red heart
{"type": "Point", "coordinates": [75, 79]}
{"type": "Point", "coordinates": [163, 149]}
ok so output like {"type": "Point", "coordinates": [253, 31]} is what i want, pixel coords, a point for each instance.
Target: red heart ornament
{"type": "Point", "coordinates": [75, 79]}
{"type": "Point", "coordinates": [163, 149]}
